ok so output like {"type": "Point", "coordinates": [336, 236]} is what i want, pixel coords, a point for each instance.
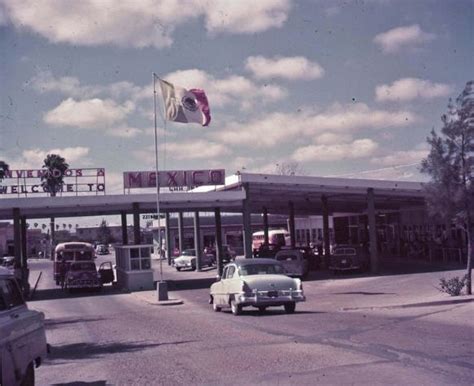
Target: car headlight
{"type": "Point", "coordinates": [299, 284]}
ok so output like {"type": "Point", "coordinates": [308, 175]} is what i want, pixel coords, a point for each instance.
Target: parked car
{"type": "Point", "coordinates": [348, 258]}
{"type": "Point", "coordinates": [228, 254]}
{"type": "Point", "coordinates": [187, 259]}
{"type": "Point", "coordinates": [294, 262]}
{"type": "Point", "coordinates": [8, 261]}
{"type": "Point", "coordinates": [102, 249]}
{"type": "Point", "coordinates": [84, 274]}
{"type": "Point", "coordinates": [23, 344]}
{"type": "Point", "coordinates": [268, 250]}
{"type": "Point", "coordinates": [259, 283]}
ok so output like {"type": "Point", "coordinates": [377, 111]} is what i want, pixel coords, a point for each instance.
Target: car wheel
{"type": "Point", "coordinates": [216, 308]}
{"type": "Point", "coordinates": [261, 309]}
{"type": "Point", "coordinates": [29, 378]}
{"type": "Point", "coordinates": [235, 308]}
{"type": "Point", "coordinates": [290, 308]}
{"type": "Point", "coordinates": [178, 269]}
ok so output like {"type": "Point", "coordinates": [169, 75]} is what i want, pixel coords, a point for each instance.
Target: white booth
{"type": "Point", "coordinates": [134, 271]}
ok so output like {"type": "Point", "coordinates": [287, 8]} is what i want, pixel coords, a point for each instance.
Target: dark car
{"type": "Point", "coordinates": [348, 258]}
{"type": "Point", "coordinates": [268, 250]}
{"type": "Point", "coordinates": [228, 254]}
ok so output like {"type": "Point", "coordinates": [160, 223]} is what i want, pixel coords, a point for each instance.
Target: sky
{"type": "Point", "coordinates": [337, 88]}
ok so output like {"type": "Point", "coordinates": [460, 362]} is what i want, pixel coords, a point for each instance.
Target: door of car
{"type": "Point", "coordinates": [227, 279]}
{"type": "Point", "coordinates": [218, 289]}
{"type": "Point", "coordinates": [292, 261]}
{"type": "Point", "coordinates": [106, 272]}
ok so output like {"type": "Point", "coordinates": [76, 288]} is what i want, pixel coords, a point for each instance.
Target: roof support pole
{"type": "Point", "coordinates": [181, 231]}
{"type": "Point", "coordinates": [217, 215]}
{"type": "Point", "coordinates": [197, 240]}
{"type": "Point", "coordinates": [326, 238]}
{"type": "Point", "coordinates": [246, 222]}
{"type": "Point", "coordinates": [136, 223]}
{"type": "Point", "coordinates": [52, 239]}
{"type": "Point", "coordinates": [123, 217]}
{"type": "Point", "coordinates": [168, 236]}
{"type": "Point", "coordinates": [17, 237]}
{"type": "Point", "coordinates": [265, 225]}
{"type": "Point", "coordinates": [374, 259]}
{"type": "Point", "coordinates": [291, 223]}
{"type": "Point", "coordinates": [24, 247]}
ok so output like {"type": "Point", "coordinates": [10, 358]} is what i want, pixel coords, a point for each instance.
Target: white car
{"type": "Point", "coordinates": [259, 283]}
{"type": "Point", "coordinates": [294, 262]}
{"type": "Point", "coordinates": [187, 260]}
{"type": "Point", "coordinates": [22, 335]}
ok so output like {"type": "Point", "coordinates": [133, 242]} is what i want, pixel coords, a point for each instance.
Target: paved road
{"type": "Point", "coordinates": [343, 334]}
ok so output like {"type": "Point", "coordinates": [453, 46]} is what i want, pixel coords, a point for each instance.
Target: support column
{"type": "Point", "coordinates": [326, 239]}
{"type": "Point", "coordinates": [168, 237]}
{"type": "Point", "coordinates": [374, 259]}
{"type": "Point", "coordinates": [291, 223]}
{"type": "Point", "coordinates": [181, 232]}
{"type": "Point", "coordinates": [52, 241]}
{"type": "Point", "coordinates": [197, 240]}
{"type": "Point", "coordinates": [24, 244]}
{"type": "Point", "coordinates": [123, 216]}
{"type": "Point", "coordinates": [217, 216]}
{"type": "Point", "coordinates": [247, 225]}
{"type": "Point", "coordinates": [136, 223]}
{"type": "Point", "coordinates": [265, 225]}
{"type": "Point", "coordinates": [17, 237]}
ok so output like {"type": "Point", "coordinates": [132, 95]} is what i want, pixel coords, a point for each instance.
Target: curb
{"type": "Point", "coordinates": [149, 300]}
{"type": "Point", "coordinates": [411, 305]}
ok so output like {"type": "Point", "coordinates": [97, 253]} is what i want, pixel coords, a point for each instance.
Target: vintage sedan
{"type": "Point", "coordinates": [348, 258]}
{"type": "Point", "coordinates": [294, 262]}
{"type": "Point", "coordinates": [259, 283]}
{"type": "Point", "coordinates": [188, 260]}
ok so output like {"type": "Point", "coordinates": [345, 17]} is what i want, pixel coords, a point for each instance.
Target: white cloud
{"type": "Point", "coordinates": [331, 138]}
{"type": "Point", "coordinates": [393, 40]}
{"type": "Point", "coordinates": [360, 148]}
{"type": "Point", "coordinates": [233, 90]}
{"type": "Point", "coordinates": [406, 89]}
{"type": "Point", "coordinates": [144, 23]}
{"type": "Point", "coordinates": [125, 132]}
{"type": "Point", "coordinates": [88, 114]}
{"type": "Point", "coordinates": [33, 158]}
{"type": "Point", "coordinates": [276, 128]}
{"type": "Point", "coordinates": [199, 149]}
{"type": "Point", "coordinates": [246, 16]}
{"type": "Point", "coordinates": [296, 67]}
{"type": "Point", "coordinates": [404, 157]}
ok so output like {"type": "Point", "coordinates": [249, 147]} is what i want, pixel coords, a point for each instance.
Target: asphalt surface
{"type": "Point", "coordinates": [354, 329]}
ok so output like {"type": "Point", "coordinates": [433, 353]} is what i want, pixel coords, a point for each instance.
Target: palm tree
{"type": "Point", "coordinates": [36, 225]}
{"type": "Point", "coordinates": [53, 179]}
{"type": "Point", "coordinates": [43, 226]}
{"type": "Point", "coordinates": [3, 169]}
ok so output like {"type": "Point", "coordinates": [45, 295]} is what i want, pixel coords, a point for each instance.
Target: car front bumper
{"type": "Point", "coordinates": [84, 284]}
{"type": "Point", "coordinates": [270, 298]}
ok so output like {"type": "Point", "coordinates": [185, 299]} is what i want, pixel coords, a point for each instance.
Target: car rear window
{"type": "Point", "coordinates": [344, 251]}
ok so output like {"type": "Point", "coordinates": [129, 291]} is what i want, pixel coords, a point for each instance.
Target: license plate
{"type": "Point", "coordinates": [272, 294]}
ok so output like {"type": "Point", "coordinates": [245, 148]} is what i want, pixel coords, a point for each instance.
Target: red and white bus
{"type": "Point", "coordinates": [275, 236]}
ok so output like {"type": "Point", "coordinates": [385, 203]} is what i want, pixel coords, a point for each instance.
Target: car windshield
{"type": "Point", "coordinates": [189, 252]}
{"type": "Point", "coordinates": [344, 251]}
{"type": "Point", "coordinates": [261, 269]}
{"type": "Point", "coordinates": [287, 257]}
{"type": "Point", "coordinates": [83, 267]}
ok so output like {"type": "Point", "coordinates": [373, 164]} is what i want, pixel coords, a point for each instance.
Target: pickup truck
{"type": "Point", "coordinates": [23, 344]}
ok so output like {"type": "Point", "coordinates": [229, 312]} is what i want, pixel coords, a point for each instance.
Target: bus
{"type": "Point", "coordinates": [275, 236]}
{"type": "Point", "coordinates": [65, 253]}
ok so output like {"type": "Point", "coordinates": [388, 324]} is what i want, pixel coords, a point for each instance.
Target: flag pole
{"type": "Point", "coordinates": [162, 287]}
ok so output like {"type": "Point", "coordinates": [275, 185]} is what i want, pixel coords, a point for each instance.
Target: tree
{"type": "Point", "coordinates": [104, 233]}
{"type": "Point", "coordinates": [450, 163]}
{"type": "Point", "coordinates": [289, 169]}
{"type": "Point", "coordinates": [3, 169]}
{"type": "Point", "coordinates": [53, 180]}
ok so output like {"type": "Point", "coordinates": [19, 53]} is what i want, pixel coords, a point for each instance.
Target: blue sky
{"type": "Point", "coordinates": [342, 88]}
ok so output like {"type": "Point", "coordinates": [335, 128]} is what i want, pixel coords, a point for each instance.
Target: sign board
{"type": "Point", "coordinates": [76, 182]}
{"type": "Point", "coordinates": [174, 179]}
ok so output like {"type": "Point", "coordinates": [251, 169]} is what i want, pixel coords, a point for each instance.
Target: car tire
{"type": "Point", "coordinates": [290, 308]}
{"type": "Point", "coordinates": [29, 378]}
{"type": "Point", "coordinates": [216, 308]}
{"type": "Point", "coordinates": [178, 269]}
{"type": "Point", "coordinates": [235, 308]}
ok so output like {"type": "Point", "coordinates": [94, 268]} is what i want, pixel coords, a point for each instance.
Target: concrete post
{"type": "Point", "coordinates": [136, 223]}
{"type": "Point", "coordinates": [181, 231]}
{"type": "Point", "coordinates": [291, 223]}
{"type": "Point", "coordinates": [168, 237]}
{"type": "Point", "coordinates": [52, 241]}
{"type": "Point", "coordinates": [123, 217]}
{"type": "Point", "coordinates": [326, 239]}
{"type": "Point", "coordinates": [265, 225]}
{"type": "Point", "coordinates": [374, 259]}
{"type": "Point", "coordinates": [197, 240]}
{"type": "Point", "coordinates": [24, 243]}
{"type": "Point", "coordinates": [17, 237]}
{"type": "Point", "coordinates": [217, 215]}
{"type": "Point", "coordinates": [246, 222]}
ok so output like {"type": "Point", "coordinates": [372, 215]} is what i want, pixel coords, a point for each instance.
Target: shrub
{"type": "Point", "coordinates": [452, 286]}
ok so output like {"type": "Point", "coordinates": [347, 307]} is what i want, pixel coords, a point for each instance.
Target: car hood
{"type": "Point", "coordinates": [270, 282]}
